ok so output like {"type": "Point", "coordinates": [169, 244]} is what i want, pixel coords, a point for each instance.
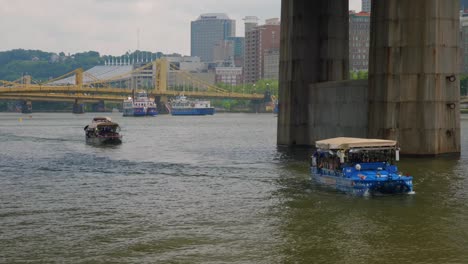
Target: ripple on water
{"type": "Point", "coordinates": [209, 190]}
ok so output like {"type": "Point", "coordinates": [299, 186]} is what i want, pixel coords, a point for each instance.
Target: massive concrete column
{"type": "Point", "coordinates": [414, 65]}
{"type": "Point", "coordinates": [314, 48]}
{"type": "Point", "coordinates": [26, 107]}
{"type": "Point", "coordinates": [78, 107]}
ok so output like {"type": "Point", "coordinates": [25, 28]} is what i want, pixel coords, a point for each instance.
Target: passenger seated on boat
{"type": "Point", "coordinates": [320, 166]}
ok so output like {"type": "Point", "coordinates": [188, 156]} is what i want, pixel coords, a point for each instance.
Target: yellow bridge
{"type": "Point", "coordinates": [95, 89]}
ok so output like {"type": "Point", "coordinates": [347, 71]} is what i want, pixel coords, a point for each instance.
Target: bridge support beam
{"type": "Point", "coordinates": [78, 107]}
{"type": "Point", "coordinates": [162, 103]}
{"type": "Point", "coordinates": [314, 48]}
{"type": "Point", "coordinates": [413, 75]}
{"type": "Point", "coordinates": [26, 107]}
{"type": "Point", "coordinates": [99, 106]}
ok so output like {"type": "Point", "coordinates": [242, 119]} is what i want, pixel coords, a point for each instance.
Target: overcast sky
{"type": "Point", "coordinates": [111, 26]}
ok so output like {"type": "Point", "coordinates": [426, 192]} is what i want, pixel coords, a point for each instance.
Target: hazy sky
{"type": "Point", "coordinates": [112, 26]}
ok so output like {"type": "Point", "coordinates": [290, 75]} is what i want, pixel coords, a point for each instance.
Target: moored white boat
{"type": "Point", "coordinates": [183, 106]}
{"type": "Point", "coordinates": [139, 105]}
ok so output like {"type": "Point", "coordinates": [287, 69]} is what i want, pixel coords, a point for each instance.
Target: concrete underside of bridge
{"type": "Point", "coordinates": [411, 95]}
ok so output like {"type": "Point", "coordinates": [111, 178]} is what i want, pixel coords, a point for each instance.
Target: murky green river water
{"type": "Point", "coordinates": [209, 190]}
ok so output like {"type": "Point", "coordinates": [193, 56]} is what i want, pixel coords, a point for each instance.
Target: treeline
{"type": "Point", "coordinates": [269, 88]}
{"type": "Point", "coordinates": [464, 85]}
{"type": "Point", "coordinates": [358, 75]}
{"type": "Point", "coordinates": [43, 66]}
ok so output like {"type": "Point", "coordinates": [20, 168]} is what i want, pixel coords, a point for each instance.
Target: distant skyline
{"type": "Point", "coordinates": [111, 26]}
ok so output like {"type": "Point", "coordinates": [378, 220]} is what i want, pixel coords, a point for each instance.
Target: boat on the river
{"type": "Point", "coordinates": [139, 105]}
{"type": "Point", "coordinates": [183, 106]}
{"type": "Point", "coordinates": [360, 166]}
{"type": "Point", "coordinates": [103, 131]}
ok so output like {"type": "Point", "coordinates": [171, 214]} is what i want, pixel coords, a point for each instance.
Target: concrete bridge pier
{"type": "Point", "coordinates": [161, 104]}
{"type": "Point", "coordinates": [314, 48]}
{"type": "Point", "coordinates": [26, 107]}
{"type": "Point", "coordinates": [413, 75]}
{"type": "Point", "coordinates": [99, 106]}
{"type": "Point", "coordinates": [78, 107]}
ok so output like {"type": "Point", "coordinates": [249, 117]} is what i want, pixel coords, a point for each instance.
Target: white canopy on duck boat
{"type": "Point", "coordinates": [348, 143]}
{"type": "Point", "coordinates": [102, 119]}
{"type": "Point", "coordinates": [101, 122]}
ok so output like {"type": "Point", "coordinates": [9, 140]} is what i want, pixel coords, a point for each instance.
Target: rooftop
{"type": "Point", "coordinates": [212, 16]}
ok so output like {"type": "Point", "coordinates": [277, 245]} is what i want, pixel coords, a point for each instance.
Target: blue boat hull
{"type": "Point", "coordinates": [152, 112]}
{"type": "Point", "coordinates": [363, 187]}
{"type": "Point", "coordinates": [192, 111]}
{"type": "Point", "coordinates": [140, 112]}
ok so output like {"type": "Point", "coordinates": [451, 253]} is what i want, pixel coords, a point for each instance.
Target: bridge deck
{"type": "Point", "coordinates": [113, 94]}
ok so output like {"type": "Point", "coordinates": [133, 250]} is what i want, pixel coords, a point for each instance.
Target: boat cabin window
{"type": "Point", "coordinates": [326, 160]}
{"type": "Point", "coordinates": [370, 156]}
{"type": "Point", "coordinates": [331, 160]}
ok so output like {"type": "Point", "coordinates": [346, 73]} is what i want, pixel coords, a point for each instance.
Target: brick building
{"type": "Point", "coordinates": [259, 40]}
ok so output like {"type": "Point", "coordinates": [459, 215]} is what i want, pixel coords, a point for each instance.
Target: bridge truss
{"type": "Point", "coordinates": [85, 87]}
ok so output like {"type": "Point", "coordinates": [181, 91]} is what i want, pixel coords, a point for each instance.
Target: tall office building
{"type": "Point", "coordinates": [366, 5]}
{"type": "Point", "coordinates": [250, 22]}
{"type": "Point", "coordinates": [239, 43]}
{"type": "Point", "coordinates": [464, 36]}
{"type": "Point", "coordinates": [223, 51]}
{"type": "Point", "coordinates": [271, 60]}
{"type": "Point", "coordinates": [464, 41]}
{"type": "Point", "coordinates": [260, 40]}
{"type": "Point", "coordinates": [359, 37]}
{"type": "Point", "coordinates": [463, 4]}
{"type": "Point", "coordinates": [229, 75]}
{"type": "Point", "coordinates": [207, 31]}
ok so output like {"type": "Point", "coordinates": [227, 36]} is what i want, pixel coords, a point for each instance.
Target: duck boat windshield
{"type": "Point", "coordinates": [360, 166]}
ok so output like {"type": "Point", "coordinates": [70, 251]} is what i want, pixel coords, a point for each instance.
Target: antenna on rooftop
{"type": "Point", "coordinates": [138, 38]}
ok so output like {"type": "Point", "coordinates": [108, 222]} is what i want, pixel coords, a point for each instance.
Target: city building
{"type": "Point", "coordinates": [250, 22]}
{"type": "Point", "coordinates": [223, 51]}
{"type": "Point", "coordinates": [359, 37]}
{"type": "Point", "coordinates": [271, 64]}
{"type": "Point", "coordinates": [208, 30]}
{"type": "Point", "coordinates": [366, 6]}
{"type": "Point", "coordinates": [464, 41]}
{"type": "Point", "coordinates": [463, 4]}
{"type": "Point", "coordinates": [229, 75]}
{"type": "Point", "coordinates": [239, 46]}
{"type": "Point", "coordinates": [259, 40]}
{"type": "Point", "coordinates": [187, 63]}
{"type": "Point", "coordinates": [177, 77]}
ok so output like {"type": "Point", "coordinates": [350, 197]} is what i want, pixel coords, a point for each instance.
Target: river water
{"type": "Point", "coordinates": [212, 189]}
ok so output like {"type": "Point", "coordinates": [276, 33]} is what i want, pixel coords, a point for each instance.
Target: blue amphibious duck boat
{"type": "Point", "coordinates": [360, 166]}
